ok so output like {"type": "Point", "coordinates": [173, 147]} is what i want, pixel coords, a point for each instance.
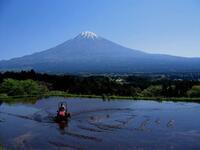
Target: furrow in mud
{"type": "Point", "coordinates": [89, 129]}
{"type": "Point", "coordinates": [143, 125]}
{"type": "Point", "coordinates": [157, 121]}
{"type": "Point", "coordinates": [21, 142]}
{"type": "Point", "coordinates": [125, 122]}
{"type": "Point", "coordinates": [73, 134]}
{"type": "Point", "coordinates": [64, 145]}
{"type": "Point", "coordinates": [106, 127]}
{"type": "Point", "coordinates": [171, 123]}
{"type": "Point", "coordinates": [37, 118]}
{"type": "Point", "coordinates": [19, 116]}
{"type": "Point", "coordinates": [2, 120]}
{"type": "Point", "coordinates": [99, 110]}
{"type": "Point", "coordinates": [121, 121]}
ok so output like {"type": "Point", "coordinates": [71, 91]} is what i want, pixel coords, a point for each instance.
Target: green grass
{"type": "Point", "coordinates": [34, 98]}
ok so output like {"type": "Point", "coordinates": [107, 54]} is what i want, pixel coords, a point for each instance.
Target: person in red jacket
{"type": "Point", "coordinates": [63, 112]}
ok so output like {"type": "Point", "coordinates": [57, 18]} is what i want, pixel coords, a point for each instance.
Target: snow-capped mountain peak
{"type": "Point", "coordinates": [90, 53]}
{"type": "Point", "coordinates": [87, 35]}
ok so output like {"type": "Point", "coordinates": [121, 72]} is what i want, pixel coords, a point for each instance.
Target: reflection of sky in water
{"type": "Point", "coordinates": [96, 124]}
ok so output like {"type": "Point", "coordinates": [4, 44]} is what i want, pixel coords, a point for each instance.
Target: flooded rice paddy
{"type": "Point", "coordinates": [97, 124]}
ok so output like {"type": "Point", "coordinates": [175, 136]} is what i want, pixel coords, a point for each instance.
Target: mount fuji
{"type": "Point", "coordinates": [90, 53]}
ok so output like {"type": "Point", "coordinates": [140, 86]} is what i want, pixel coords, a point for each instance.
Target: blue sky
{"type": "Point", "coordinates": [155, 26]}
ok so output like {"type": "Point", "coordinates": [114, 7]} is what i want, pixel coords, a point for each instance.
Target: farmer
{"type": "Point", "coordinates": [62, 110]}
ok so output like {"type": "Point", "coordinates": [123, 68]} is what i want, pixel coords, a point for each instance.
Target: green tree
{"type": "Point", "coordinates": [194, 92]}
{"type": "Point", "coordinates": [22, 87]}
{"type": "Point", "coordinates": [11, 87]}
{"type": "Point", "coordinates": [151, 91]}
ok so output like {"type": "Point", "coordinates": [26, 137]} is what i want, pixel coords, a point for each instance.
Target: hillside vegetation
{"type": "Point", "coordinates": [31, 83]}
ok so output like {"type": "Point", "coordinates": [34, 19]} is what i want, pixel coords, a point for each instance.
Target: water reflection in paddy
{"type": "Point", "coordinates": [97, 124]}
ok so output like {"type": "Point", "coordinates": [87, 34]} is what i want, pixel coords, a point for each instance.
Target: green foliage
{"type": "Point", "coordinates": [105, 86]}
{"type": "Point", "coordinates": [152, 91]}
{"type": "Point", "coordinates": [3, 96]}
{"type": "Point", "coordinates": [1, 147]}
{"type": "Point", "coordinates": [22, 87]}
{"type": "Point", "coordinates": [194, 92]}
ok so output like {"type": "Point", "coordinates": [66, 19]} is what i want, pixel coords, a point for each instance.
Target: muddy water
{"type": "Point", "coordinates": [96, 124]}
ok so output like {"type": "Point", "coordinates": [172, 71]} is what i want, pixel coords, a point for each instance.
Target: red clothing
{"type": "Point", "coordinates": [62, 113]}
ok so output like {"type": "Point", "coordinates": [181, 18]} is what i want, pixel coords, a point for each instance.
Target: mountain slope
{"type": "Point", "coordinates": [88, 52]}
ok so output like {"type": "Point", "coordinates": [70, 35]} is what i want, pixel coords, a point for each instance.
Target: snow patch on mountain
{"type": "Point", "coordinates": [87, 35]}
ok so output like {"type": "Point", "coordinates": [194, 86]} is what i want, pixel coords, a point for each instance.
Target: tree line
{"type": "Point", "coordinates": [33, 83]}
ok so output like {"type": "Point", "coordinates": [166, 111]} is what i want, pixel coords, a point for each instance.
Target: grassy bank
{"type": "Point", "coordinates": [34, 98]}
{"type": "Point", "coordinates": [105, 88]}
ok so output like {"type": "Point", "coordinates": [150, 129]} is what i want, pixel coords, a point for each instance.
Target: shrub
{"type": "Point", "coordinates": [194, 92]}
{"type": "Point", "coordinates": [151, 91]}
{"type": "Point", "coordinates": [22, 87]}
